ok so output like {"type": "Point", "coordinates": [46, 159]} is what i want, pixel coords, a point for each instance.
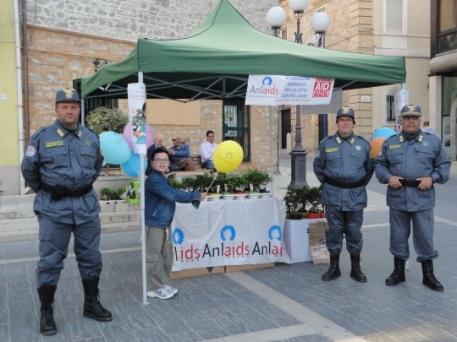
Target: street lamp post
{"type": "Point", "coordinates": [276, 17]}
{"type": "Point", "coordinates": [319, 24]}
{"type": "Point", "coordinates": [298, 153]}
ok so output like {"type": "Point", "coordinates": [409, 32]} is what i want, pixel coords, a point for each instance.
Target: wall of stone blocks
{"type": "Point", "coordinates": [66, 36]}
{"type": "Point", "coordinates": [351, 29]}
{"type": "Point", "coordinates": [133, 19]}
{"type": "Point", "coordinates": [56, 57]}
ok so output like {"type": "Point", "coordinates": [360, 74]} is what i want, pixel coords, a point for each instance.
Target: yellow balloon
{"type": "Point", "coordinates": [227, 156]}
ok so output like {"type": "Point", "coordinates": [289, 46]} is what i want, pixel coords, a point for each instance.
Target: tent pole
{"type": "Point", "coordinates": [83, 116]}
{"type": "Point", "coordinates": [270, 112]}
{"type": "Point", "coordinates": [143, 225]}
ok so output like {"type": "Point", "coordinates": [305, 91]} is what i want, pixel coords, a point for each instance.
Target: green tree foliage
{"type": "Point", "coordinates": [104, 119]}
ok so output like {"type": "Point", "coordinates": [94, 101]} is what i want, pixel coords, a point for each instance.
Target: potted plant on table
{"type": "Point", "coordinates": [257, 180]}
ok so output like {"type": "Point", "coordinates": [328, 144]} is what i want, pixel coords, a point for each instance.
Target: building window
{"type": "Point", "coordinates": [447, 25]}
{"type": "Point", "coordinates": [236, 124]}
{"type": "Point", "coordinates": [447, 11]}
{"type": "Point", "coordinates": [394, 16]}
{"type": "Point", "coordinates": [284, 34]}
{"type": "Point", "coordinates": [390, 107]}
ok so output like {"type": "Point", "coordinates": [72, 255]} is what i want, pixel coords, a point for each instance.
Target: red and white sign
{"type": "Point", "coordinates": [322, 88]}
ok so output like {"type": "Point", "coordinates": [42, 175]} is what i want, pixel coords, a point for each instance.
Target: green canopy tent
{"type": "Point", "coordinates": [215, 61]}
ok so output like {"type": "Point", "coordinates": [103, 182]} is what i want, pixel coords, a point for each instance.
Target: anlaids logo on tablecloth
{"type": "Point", "coordinates": [229, 247]}
{"type": "Point", "coordinates": [274, 233]}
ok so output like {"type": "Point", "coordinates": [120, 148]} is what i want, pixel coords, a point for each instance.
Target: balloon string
{"type": "Point", "coordinates": [211, 182]}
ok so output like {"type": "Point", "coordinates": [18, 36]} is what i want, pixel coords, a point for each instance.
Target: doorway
{"type": "Point", "coordinates": [286, 126]}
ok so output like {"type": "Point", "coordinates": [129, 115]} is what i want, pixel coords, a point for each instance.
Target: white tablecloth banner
{"type": "Point", "coordinates": [228, 232]}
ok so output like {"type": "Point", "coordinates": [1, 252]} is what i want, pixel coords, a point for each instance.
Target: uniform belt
{"type": "Point", "coordinates": [58, 192]}
{"type": "Point", "coordinates": [409, 182]}
{"type": "Point", "coordinates": [345, 185]}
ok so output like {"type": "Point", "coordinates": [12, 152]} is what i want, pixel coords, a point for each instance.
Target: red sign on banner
{"type": "Point", "coordinates": [322, 87]}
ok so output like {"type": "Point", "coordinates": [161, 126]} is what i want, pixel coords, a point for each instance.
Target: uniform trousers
{"type": "Point", "coordinates": [348, 223]}
{"type": "Point", "coordinates": [400, 229]}
{"type": "Point", "coordinates": [53, 248]}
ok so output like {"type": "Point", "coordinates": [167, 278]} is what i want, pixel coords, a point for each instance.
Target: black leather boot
{"type": "Point", "coordinates": [92, 306]}
{"type": "Point", "coordinates": [47, 323]}
{"type": "Point", "coordinates": [398, 275]}
{"type": "Point", "coordinates": [429, 279]}
{"type": "Point", "coordinates": [356, 272]}
{"type": "Point", "coordinates": [334, 270]}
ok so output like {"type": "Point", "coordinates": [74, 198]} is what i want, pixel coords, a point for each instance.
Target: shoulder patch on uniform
{"type": "Point", "coordinates": [394, 146]}
{"type": "Point", "coordinates": [331, 149]}
{"type": "Point", "coordinates": [60, 132]}
{"type": "Point", "coordinates": [30, 151]}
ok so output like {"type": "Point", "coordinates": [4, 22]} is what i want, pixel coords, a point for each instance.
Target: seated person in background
{"type": "Point", "coordinates": [207, 149]}
{"type": "Point", "coordinates": [180, 156]}
{"type": "Point", "coordinates": [156, 143]}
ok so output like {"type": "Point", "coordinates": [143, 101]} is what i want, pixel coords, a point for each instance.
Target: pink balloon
{"type": "Point", "coordinates": [130, 138]}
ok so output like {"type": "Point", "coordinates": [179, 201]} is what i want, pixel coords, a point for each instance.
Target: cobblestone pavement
{"type": "Point", "coordinates": [284, 303]}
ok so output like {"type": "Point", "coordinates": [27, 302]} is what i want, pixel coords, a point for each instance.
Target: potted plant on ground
{"type": "Point", "coordinates": [304, 206]}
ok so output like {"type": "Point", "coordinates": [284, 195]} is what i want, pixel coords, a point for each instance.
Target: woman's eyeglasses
{"type": "Point", "coordinates": [161, 160]}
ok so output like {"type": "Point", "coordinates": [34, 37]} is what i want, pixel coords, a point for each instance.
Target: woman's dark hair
{"type": "Point", "coordinates": [159, 150]}
{"type": "Point", "coordinates": [209, 132]}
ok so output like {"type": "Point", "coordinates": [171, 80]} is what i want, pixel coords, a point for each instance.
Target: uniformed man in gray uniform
{"type": "Point", "coordinates": [410, 163]}
{"type": "Point", "coordinates": [61, 163]}
{"type": "Point", "coordinates": [344, 167]}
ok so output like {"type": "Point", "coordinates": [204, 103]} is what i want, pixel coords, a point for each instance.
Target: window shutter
{"type": "Point", "coordinates": [394, 16]}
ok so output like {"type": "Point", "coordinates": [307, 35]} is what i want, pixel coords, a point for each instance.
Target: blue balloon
{"type": "Point", "coordinates": [131, 167]}
{"type": "Point", "coordinates": [383, 132]}
{"type": "Point", "coordinates": [114, 148]}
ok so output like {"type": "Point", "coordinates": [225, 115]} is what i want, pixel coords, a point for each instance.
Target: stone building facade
{"type": "Point", "coordinates": [384, 27]}
{"type": "Point", "coordinates": [65, 37]}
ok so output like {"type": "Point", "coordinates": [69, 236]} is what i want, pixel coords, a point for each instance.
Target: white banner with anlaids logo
{"type": "Point", "coordinates": [137, 105]}
{"type": "Point", "coordinates": [228, 232]}
{"type": "Point", "coordinates": [274, 90]}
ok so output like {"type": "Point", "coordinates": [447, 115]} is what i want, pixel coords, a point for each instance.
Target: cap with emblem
{"type": "Point", "coordinates": [345, 111]}
{"type": "Point", "coordinates": [411, 110]}
{"type": "Point", "coordinates": [67, 95]}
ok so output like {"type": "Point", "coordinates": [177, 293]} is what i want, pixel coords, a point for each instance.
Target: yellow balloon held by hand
{"type": "Point", "coordinates": [227, 156]}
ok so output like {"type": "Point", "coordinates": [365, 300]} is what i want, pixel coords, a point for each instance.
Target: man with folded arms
{"type": "Point", "coordinates": [410, 162]}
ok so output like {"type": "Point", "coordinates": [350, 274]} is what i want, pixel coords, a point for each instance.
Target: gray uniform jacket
{"type": "Point", "coordinates": [420, 157]}
{"type": "Point", "coordinates": [348, 162]}
{"type": "Point", "coordinates": [57, 157]}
